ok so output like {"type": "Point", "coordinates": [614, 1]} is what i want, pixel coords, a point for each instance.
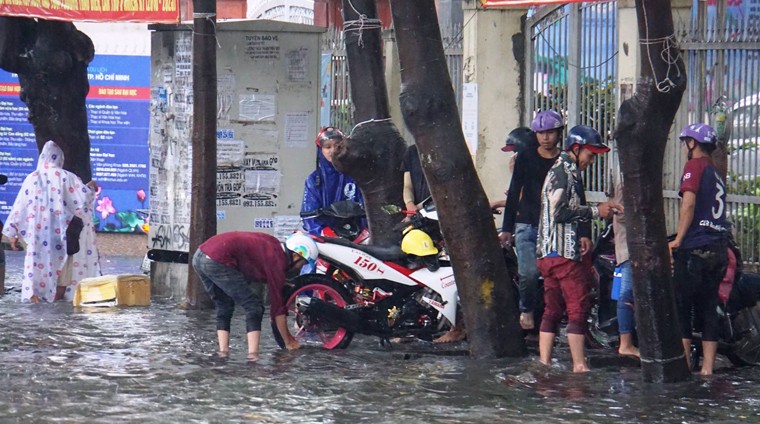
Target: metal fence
{"type": "Point", "coordinates": [572, 54]}
{"type": "Point", "coordinates": [722, 55]}
{"type": "Point", "coordinates": [341, 104]}
{"type": "Point", "coordinates": [572, 57]}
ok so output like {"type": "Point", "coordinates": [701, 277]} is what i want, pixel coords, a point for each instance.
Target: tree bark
{"type": "Point", "coordinates": [373, 153]}
{"type": "Point", "coordinates": [429, 107]}
{"type": "Point", "coordinates": [51, 58]}
{"type": "Point", "coordinates": [203, 203]}
{"type": "Point", "coordinates": [644, 122]}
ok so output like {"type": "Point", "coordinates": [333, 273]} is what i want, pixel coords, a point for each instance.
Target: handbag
{"type": "Point", "coordinates": [72, 235]}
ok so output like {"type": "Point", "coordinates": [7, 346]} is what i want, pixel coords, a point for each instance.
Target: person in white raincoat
{"type": "Point", "coordinates": [46, 203]}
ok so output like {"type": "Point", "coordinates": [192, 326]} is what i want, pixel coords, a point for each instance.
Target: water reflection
{"type": "Point", "coordinates": [159, 364]}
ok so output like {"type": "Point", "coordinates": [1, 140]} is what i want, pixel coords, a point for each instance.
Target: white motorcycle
{"type": "Point", "coordinates": [385, 291]}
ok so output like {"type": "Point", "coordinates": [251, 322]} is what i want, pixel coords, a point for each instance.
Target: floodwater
{"type": "Point", "coordinates": [158, 364]}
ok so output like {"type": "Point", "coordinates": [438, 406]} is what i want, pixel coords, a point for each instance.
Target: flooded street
{"type": "Point", "coordinates": [158, 364]}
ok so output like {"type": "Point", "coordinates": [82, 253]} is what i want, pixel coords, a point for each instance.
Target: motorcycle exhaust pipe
{"type": "Point", "coordinates": [318, 308]}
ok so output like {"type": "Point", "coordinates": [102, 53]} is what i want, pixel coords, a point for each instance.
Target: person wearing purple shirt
{"type": "Point", "coordinates": [699, 248]}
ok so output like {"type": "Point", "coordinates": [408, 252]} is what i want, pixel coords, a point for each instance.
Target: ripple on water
{"type": "Point", "coordinates": [158, 364]}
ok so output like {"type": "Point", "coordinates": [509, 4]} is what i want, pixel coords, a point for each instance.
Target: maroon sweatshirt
{"type": "Point", "coordinates": [260, 257]}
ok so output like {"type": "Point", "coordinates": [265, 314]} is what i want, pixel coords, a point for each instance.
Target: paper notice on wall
{"type": "Point", "coordinates": [262, 181]}
{"type": "Point", "coordinates": [285, 225]}
{"type": "Point", "coordinates": [262, 47]}
{"type": "Point", "coordinates": [470, 115]}
{"type": "Point", "coordinates": [257, 107]}
{"type": "Point", "coordinates": [225, 89]}
{"type": "Point", "coordinates": [229, 152]}
{"type": "Point", "coordinates": [297, 64]}
{"type": "Point", "coordinates": [297, 129]}
{"type": "Point", "coordinates": [263, 223]}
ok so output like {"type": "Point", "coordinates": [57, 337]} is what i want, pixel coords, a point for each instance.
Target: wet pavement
{"type": "Point", "coordinates": [158, 364]}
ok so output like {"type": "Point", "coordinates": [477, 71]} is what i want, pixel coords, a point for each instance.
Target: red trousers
{"type": "Point", "coordinates": [567, 285]}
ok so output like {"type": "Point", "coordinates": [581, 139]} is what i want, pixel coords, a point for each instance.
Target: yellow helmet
{"type": "Point", "coordinates": [418, 243]}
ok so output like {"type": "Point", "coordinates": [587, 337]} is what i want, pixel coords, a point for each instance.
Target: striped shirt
{"type": "Point", "coordinates": [564, 216]}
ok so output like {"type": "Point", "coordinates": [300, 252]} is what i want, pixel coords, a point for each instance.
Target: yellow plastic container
{"type": "Point", "coordinates": [114, 290]}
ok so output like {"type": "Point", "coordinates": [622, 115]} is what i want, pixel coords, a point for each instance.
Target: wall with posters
{"type": "Point", "coordinates": [118, 114]}
{"type": "Point", "coordinates": [268, 116]}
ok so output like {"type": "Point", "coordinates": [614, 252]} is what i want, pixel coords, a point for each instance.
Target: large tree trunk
{"type": "Point", "coordinates": [203, 203]}
{"type": "Point", "coordinates": [51, 58]}
{"type": "Point", "coordinates": [373, 154]}
{"type": "Point", "coordinates": [644, 122]}
{"type": "Point", "coordinates": [429, 107]}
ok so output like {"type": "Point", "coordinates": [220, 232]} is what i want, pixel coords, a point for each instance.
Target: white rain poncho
{"type": "Point", "coordinates": [47, 201]}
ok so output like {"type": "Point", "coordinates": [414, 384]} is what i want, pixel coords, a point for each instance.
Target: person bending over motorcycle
{"type": "Point", "coordinates": [699, 248]}
{"type": "Point", "coordinates": [561, 246]}
{"type": "Point", "coordinates": [326, 185]}
{"type": "Point", "coordinates": [523, 205]}
{"type": "Point", "coordinates": [234, 267]}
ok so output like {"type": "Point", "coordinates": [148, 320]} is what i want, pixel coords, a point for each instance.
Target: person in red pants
{"type": "Point", "coordinates": [563, 241]}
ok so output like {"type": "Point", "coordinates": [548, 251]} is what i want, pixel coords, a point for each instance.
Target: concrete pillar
{"type": "Point", "coordinates": [493, 60]}
{"type": "Point", "coordinates": [393, 83]}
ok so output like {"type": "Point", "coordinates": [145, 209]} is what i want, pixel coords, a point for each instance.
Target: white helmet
{"type": "Point", "coordinates": [303, 245]}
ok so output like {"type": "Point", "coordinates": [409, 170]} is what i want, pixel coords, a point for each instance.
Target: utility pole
{"type": "Point", "coordinates": [203, 203]}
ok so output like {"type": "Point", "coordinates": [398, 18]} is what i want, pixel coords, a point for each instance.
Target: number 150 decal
{"type": "Point", "coordinates": [365, 263]}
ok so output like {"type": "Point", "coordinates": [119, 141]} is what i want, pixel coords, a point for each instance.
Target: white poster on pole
{"type": "Point", "coordinates": [470, 115]}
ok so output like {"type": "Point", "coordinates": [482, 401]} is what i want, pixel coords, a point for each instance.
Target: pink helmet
{"type": "Point", "coordinates": [547, 120]}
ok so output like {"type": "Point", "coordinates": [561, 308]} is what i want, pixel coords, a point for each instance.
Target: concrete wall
{"type": "Point", "coordinates": [492, 45]}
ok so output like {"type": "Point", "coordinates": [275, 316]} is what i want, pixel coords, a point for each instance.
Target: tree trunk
{"type": "Point", "coordinates": [429, 107]}
{"type": "Point", "coordinates": [203, 191]}
{"type": "Point", "coordinates": [644, 122]}
{"type": "Point", "coordinates": [373, 154]}
{"type": "Point", "coordinates": [51, 58]}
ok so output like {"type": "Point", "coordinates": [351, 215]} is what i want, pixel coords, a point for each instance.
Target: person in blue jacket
{"type": "Point", "coordinates": [326, 185]}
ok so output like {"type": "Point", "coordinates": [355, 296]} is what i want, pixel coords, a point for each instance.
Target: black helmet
{"type": "Point", "coordinates": [587, 138]}
{"type": "Point", "coordinates": [519, 139]}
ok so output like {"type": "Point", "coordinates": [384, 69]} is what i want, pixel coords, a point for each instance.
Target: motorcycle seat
{"type": "Point", "coordinates": [384, 253]}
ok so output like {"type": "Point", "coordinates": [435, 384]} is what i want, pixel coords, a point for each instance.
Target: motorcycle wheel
{"type": "Point", "coordinates": [746, 349]}
{"type": "Point", "coordinates": [308, 330]}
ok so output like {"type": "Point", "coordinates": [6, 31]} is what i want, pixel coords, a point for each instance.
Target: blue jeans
{"type": "Point", "coordinates": [525, 244]}
{"type": "Point", "coordinates": [626, 321]}
{"type": "Point", "coordinates": [227, 286]}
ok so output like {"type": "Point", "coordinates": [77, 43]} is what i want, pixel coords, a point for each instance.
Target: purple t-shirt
{"type": "Point", "coordinates": [709, 224]}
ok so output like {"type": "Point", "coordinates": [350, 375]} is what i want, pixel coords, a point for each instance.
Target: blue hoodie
{"type": "Point", "coordinates": [324, 187]}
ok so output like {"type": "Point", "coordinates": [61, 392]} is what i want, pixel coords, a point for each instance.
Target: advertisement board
{"type": "Point", "coordinates": [118, 116]}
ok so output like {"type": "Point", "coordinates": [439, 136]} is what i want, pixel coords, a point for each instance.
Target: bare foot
{"type": "Point", "coordinates": [34, 299]}
{"type": "Point", "coordinates": [629, 351]}
{"type": "Point", "coordinates": [456, 334]}
{"type": "Point", "coordinates": [580, 369]}
{"type": "Point", "coordinates": [526, 321]}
